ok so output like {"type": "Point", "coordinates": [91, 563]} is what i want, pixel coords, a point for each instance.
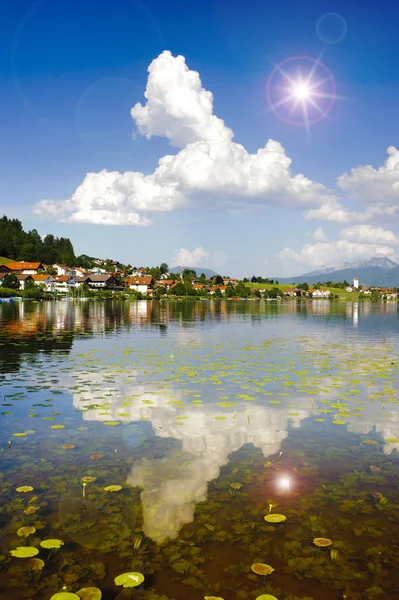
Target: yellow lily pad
{"type": "Point", "coordinates": [112, 488]}
{"type": "Point", "coordinates": [266, 597]}
{"type": "Point", "coordinates": [64, 596]}
{"type": "Point", "coordinates": [322, 542]}
{"type": "Point", "coordinates": [51, 544]}
{"type": "Point", "coordinates": [90, 593]}
{"type": "Point", "coordinates": [275, 518]}
{"type": "Point", "coordinates": [111, 423]}
{"type": "Point", "coordinates": [57, 426]}
{"type": "Point", "coordinates": [24, 488]}
{"type": "Point", "coordinates": [25, 531]}
{"type": "Point", "coordinates": [31, 509]}
{"type": "Point", "coordinates": [236, 486]}
{"type": "Point", "coordinates": [128, 580]}
{"type": "Point", "coordinates": [24, 552]}
{"type": "Point", "coordinates": [36, 564]}
{"type": "Point", "coordinates": [261, 569]}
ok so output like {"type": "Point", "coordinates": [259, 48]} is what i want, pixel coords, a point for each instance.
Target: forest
{"type": "Point", "coordinates": [17, 244]}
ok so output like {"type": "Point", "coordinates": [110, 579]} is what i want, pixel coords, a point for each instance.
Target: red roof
{"type": "Point", "coordinates": [140, 280]}
{"type": "Point", "coordinates": [19, 266]}
{"type": "Point", "coordinates": [41, 277]}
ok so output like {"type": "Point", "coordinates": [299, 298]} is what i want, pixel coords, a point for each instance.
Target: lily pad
{"type": "Point", "coordinates": [25, 531]}
{"type": "Point", "coordinates": [57, 427]}
{"type": "Point", "coordinates": [266, 597]}
{"type": "Point", "coordinates": [129, 579]}
{"type": "Point", "coordinates": [262, 569]}
{"type": "Point", "coordinates": [275, 518]}
{"type": "Point", "coordinates": [24, 552]}
{"type": "Point", "coordinates": [236, 485]}
{"type": "Point", "coordinates": [322, 542]}
{"type": "Point", "coordinates": [64, 596]}
{"type": "Point", "coordinates": [36, 564]}
{"type": "Point", "coordinates": [90, 593]}
{"type": "Point", "coordinates": [31, 509]}
{"type": "Point", "coordinates": [51, 544]}
{"type": "Point", "coordinates": [24, 488]}
{"type": "Point", "coordinates": [112, 488]}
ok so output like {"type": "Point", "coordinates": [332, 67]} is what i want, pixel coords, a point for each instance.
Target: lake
{"type": "Point", "coordinates": [230, 450]}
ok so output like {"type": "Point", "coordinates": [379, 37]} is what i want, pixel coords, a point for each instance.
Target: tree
{"type": "Point", "coordinates": [10, 281]}
{"type": "Point", "coordinates": [229, 291]}
{"type": "Point", "coordinates": [188, 273]}
{"type": "Point", "coordinates": [303, 286]}
{"type": "Point", "coordinates": [179, 289]}
{"type": "Point", "coordinates": [163, 267]}
{"type": "Point", "coordinates": [254, 279]}
{"type": "Point", "coordinates": [218, 280]}
{"type": "Point", "coordinates": [241, 290]}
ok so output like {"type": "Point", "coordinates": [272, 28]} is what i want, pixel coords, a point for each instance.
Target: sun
{"type": "Point", "coordinates": [301, 90]}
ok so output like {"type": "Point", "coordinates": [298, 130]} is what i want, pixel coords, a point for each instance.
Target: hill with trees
{"type": "Point", "coordinates": [17, 244]}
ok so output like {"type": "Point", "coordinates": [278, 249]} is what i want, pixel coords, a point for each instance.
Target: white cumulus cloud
{"type": "Point", "coordinates": [191, 258]}
{"type": "Point", "coordinates": [329, 253]}
{"type": "Point", "coordinates": [210, 171]}
{"type": "Point", "coordinates": [374, 185]}
{"type": "Point", "coordinates": [319, 235]}
{"type": "Point", "coordinates": [369, 234]}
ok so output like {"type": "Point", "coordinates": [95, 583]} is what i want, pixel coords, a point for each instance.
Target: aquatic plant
{"type": "Point", "coordinates": [51, 544]}
{"type": "Point", "coordinates": [129, 579]}
{"type": "Point", "coordinates": [275, 518]}
{"type": "Point", "coordinates": [261, 569]}
{"type": "Point", "coordinates": [25, 531]}
{"type": "Point", "coordinates": [322, 542]}
{"type": "Point", "coordinates": [90, 593]}
{"type": "Point", "coordinates": [24, 552]}
{"type": "Point", "coordinates": [24, 489]}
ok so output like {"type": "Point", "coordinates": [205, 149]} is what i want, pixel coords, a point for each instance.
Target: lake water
{"type": "Point", "coordinates": [207, 416]}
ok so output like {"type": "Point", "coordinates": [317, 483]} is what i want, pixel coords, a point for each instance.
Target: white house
{"type": "Point", "coordinates": [26, 268]}
{"type": "Point", "coordinates": [62, 269]}
{"type": "Point", "coordinates": [140, 284]}
{"type": "Point", "coordinates": [321, 293]}
{"type": "Point", "coordinates": [46, 280]}
{"type": "Point", "coordinates": [79, 271]}
{"type": "Point", "coordinates": [63, 284]}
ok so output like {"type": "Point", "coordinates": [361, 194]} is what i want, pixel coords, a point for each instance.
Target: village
{"type": "Point", "coordinates": [59, 280]}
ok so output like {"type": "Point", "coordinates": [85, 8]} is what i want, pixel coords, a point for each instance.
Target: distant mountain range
{"type": "Point", "coordinates": [207, 272]}
{"type": "Point", "coordinates": [373, 271]}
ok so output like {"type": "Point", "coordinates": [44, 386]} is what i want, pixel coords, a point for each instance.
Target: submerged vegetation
{"type": "Point", "coordinates": [222, 461]}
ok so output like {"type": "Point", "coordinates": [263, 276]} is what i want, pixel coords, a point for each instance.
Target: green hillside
{"type": "Point", "coordinates": [4, 260]}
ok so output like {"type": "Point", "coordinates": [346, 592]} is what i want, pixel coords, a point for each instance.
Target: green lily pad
{"type": "Point", "coordinates": [266, 597]}
{"type": "Point", "coordinates": [129, 579]}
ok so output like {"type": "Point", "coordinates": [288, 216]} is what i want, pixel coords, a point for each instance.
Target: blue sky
{"type": "Point", "coordinates": [71, 72]}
